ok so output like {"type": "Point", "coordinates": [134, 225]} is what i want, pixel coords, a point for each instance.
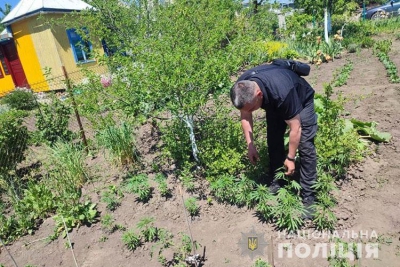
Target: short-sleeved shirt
{"type": "Point", "coordinates": [284, 92]}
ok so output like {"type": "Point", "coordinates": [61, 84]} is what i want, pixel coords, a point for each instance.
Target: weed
{"type": "Point", "coordinates": [352, 48]}
{"type": "Point", "coordinates": [289, 210]}
{"type": "Point", "coordinates": [162, 185]}
{"type": "Point", "coordinates": [140, 186]}
{"type": "Point", "coordinates": [337, 258]}
{"type": "Point", "coordinates": [243, 193]}
{"type": "Point", "coordinates": [66, 167]}
{"type": "Point", "coordinates": [261, 263]}
{"type": "Point", "coordinates": [112, 197]}
{"type": "Point", "coordinates": [397, 251]}
{"type": "Point", "coordinates": [107, 223]}
{"type": "Point", "coordinates": [120, 227]}
{"type": "Point", "coordinates": [186, 247]}
{"type": "Point", "coordinates": [103, 238]}
{"type": "Point", "coordinates": [164, 242]}
{"type": "Point", "coordinates": [191, 206]}
{"type": "Point", "coordinates": [147, 229]}
{"type": "Point", "coordinates": [131, 240]}
{"type": "Point", "coordinates": [223, 189]}
{"type": "Point", "coordinates": [264, 201]}
{"type": "Point", "coordinates": [384, 240]}
{"type": "Point", "coordinates": [186, 176]}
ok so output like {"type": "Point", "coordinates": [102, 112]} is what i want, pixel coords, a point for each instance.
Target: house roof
{"type": "Point", "coordinates": [27, 8]}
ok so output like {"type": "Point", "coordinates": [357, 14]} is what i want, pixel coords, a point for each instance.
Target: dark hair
{"type": "Point", "coordinates": [242, 93]}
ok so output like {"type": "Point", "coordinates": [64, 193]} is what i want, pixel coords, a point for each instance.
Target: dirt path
{"type": "Point", "coordinates": [369, 200]}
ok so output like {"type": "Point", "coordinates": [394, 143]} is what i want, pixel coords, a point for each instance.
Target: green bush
{"type": "Point", "coordinates": [220, 141]}
{"type": "Point", "coordinates": [52, 121]}
{"type": "Point", "coordinates": [21, 99]}
{"type": "Point", "coordinates": [13, 139]}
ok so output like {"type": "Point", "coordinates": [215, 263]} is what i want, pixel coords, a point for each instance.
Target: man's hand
{"type": "Point", "coordinates": [290, 167]}
{"type": "Point", "coordinates": [252, 153]}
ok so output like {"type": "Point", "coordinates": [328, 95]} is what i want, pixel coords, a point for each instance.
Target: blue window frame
{"type": "Point", "coordinates": [82, 50]}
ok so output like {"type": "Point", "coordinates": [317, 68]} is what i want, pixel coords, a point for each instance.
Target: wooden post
{"type": "Point", "coordinates": [78, 118]}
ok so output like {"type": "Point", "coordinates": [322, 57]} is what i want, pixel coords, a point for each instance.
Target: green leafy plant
{"type": "Point", "coordinates": [162, 185]}
{"type": "Point", "coordinates": [21, 99]}
{"type": "Point", "coordinates": [341, 76]}
{"type": "Point", "coordinates": [324, 217]}
{"type": "Point", "coordinates": [338, 259]}
{"type": "Point", "coordinates": [103, 238]}
{"type": "Point", "coordinates": [187, 180]}
{"type": "Point", "coordinates": [131, 240]}
{"type": "Point", "coordinates": [185, 248]}
{"type": "Point", "coordinates": [381, 50]}
{"type": "Point", "coordinates": [191, 206]}
{"type": "Point", "coordinates": [13, 139]}
{"type": "Point", "coordinates": [164, 241]}
{"type": "Point", "coordinates": [52, 121]}
{"type": "Point", "coordinates": [140, 186]}
{"type": "Point", "coordinates": [289, 209]}
{"type": "Point", "coordinates": [223, 188]}
{"type": "Point", "coordinates": [352, 48]}
{"type": "Point", "coordinates": [107, 223]}
{"type": "Point", "coordinates": [13, 144]}
{"type": "Point", "coordinates": [147, 229]}
{"type": "Point", "coordinates": [112, 197]}
{"type": "Point", "coordinates": [337, 146]}
{"type": "Point", "coordinates": [224, 156]}
{"type": "Point", "coordinates": [263, 201]}
{"type": "Point", "coordinates": [261, 263]}
{"type": "Point", "coordinates": [368, 130]}
{"type": "Point", "coordinates": [244, 189]}
{"type": "Point", "coordinates": [38, 201]}
{"type": "Point", "coordinates": [81, 214]}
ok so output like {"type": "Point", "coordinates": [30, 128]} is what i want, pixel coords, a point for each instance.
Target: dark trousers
{"type": "Point", "coordinates": [276, 128]}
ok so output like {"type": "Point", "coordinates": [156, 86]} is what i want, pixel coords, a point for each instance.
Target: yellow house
{"type": "Point", "coordinates": [30, 49]}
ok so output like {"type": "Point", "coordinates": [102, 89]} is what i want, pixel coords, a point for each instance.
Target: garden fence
{"type": "Point", "coordinates": [63, 87]}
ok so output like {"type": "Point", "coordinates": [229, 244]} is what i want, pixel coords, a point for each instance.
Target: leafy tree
{"type": "Point", "coordinates": [317, 7]}
{"type": "Point", "coordinates": [5, 11]}
{"type": "Point", "coordinates": [172, 56]}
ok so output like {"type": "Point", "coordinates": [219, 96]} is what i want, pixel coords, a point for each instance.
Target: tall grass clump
{"type": "Point", "coordinates": [66, 175]}
{"type": "Point", "coordinates": [120, 143]}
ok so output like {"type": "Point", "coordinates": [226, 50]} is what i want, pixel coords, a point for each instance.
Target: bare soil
{"type": "Point", "coordinates": [368, 199]}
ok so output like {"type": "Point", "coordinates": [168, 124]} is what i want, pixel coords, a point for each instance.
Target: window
{"type": "Point", "coordinates": [82, 49]}
{"type": "Point", "coordinates": [3, 64]}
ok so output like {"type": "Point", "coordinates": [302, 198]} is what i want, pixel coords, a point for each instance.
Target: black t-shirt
{"type": "Point", "coordinates": [285, 93]}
